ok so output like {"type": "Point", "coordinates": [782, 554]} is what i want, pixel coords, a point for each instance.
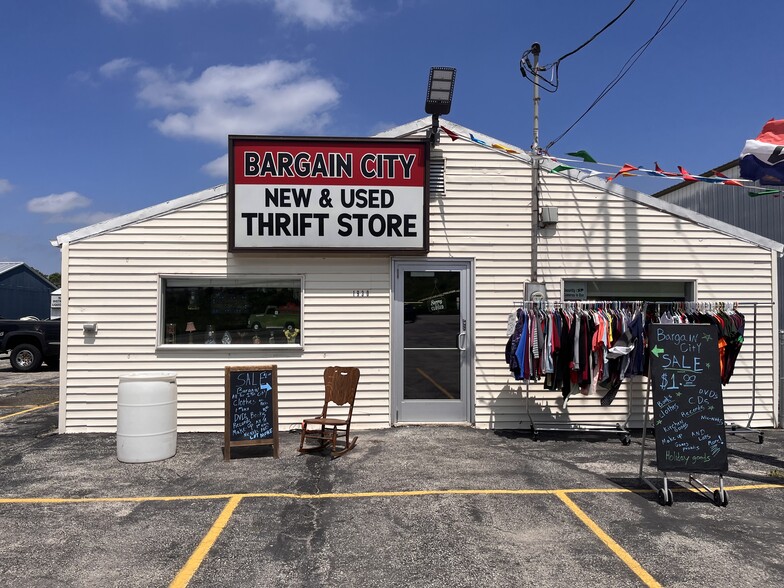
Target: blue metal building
{"type": "Point", "coordinates": [23, 291]}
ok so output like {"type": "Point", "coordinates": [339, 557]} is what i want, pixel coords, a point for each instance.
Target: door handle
{"type": "Point", "coordinates": [461, 341]}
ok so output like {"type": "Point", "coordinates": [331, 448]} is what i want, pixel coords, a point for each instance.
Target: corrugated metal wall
{"type": "Point", "coordinates": [23, 294]}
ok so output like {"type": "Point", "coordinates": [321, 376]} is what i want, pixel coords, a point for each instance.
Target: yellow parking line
{"type": "Point", "coordinates": [610, 542]}
{"type": "Point", "coordinates": [441, 389]}
{"type": "Point", "coordinates": [194, 561]}
{"type": "Point", "coordinates": [187, 572]}
{"type": "Point", "coordinates": [379, 494]}
{"type": "Point", "coordinates": [13, 414]}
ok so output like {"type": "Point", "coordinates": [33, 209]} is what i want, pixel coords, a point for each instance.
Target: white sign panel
{"type": "Point", "coordinates": [327, 194]}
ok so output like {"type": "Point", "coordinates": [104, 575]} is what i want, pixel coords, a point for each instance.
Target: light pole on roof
{"type": "Point", "coordinates": [440, 87]}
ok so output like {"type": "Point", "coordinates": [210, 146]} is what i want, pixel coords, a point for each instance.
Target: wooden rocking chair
{"type": "Point", "coordinates": [340, 388]}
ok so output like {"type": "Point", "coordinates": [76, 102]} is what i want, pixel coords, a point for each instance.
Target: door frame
{"type": "Point", "coordinates": [468, 372]}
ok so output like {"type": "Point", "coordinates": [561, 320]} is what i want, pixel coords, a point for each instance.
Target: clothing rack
{"type": "Point", "coordinates": [622, 428]}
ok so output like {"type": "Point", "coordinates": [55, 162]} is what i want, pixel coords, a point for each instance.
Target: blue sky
{"type": "Point", "coordinates": [110, 106]}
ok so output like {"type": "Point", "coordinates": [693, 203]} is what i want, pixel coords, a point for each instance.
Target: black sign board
{"type": "Point", "coordinates": [688, 411]}
{"type": "Point", "coordinates": [251, 407]}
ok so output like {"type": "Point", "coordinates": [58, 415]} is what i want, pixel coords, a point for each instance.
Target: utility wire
{"type": "Point", "coordinates": [673, 12]}
{"type": "Point", "coordinates": [604, 28]}
{"type": "Point", "coordinates": [550, 85]}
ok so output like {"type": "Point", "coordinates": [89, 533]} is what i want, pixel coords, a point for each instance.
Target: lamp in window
{"type": "Point", "coordinates": [190, 328]}
{"type": "Point", "coordinates": [439, 96]}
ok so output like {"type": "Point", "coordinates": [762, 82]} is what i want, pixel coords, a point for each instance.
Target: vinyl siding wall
{"type": "Point", "coordinates": [113, 279]}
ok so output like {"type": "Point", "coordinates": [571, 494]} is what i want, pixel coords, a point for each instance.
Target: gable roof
{"type": "Point", "coordinates": [7, 266]}
{"type": "Point", "coordinates": [417, 127]}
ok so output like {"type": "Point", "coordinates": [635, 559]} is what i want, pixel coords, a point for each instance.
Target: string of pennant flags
{"type": "Point", "coordinates": [625, 170]}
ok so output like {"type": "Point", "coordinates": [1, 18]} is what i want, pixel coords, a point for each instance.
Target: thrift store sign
{"type": "Point", "coordinates": [327, 194]}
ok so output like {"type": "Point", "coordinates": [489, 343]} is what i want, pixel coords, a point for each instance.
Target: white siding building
{"type": "Point", "coordinates": [356, 308]}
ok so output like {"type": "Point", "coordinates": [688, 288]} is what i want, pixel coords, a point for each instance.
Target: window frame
{"type": "Point", "coordinates": [690, 289]}
{"type": "Point", "coordinates": [246, 280]}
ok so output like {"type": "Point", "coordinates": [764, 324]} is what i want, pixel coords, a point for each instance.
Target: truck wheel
{"type": "Point", "coordinates": [26, 358]}
{"type": "Point", "coordinates": [256, 326]}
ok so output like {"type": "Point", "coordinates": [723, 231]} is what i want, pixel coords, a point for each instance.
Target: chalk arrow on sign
{"type": "Point", "coordinates": [657, 351]}
{"type": "Point", "coordinates": [265, 387]}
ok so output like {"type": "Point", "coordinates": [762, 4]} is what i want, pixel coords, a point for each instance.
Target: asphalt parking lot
{"type": "Point", "coordinates": [413, 506]}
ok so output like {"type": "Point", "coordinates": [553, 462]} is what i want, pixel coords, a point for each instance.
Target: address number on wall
{"type": "Point", "coordinates": [361, 293]}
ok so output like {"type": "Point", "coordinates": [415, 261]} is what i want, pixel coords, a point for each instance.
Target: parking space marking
{"type": "Point", "coordinates": [13, 414]}
{"type": "Point", "coordinates": [194, 561]}
{"type": "Point", "coordinates": [624, 555]}
{"type": "Point", "coordinates": [379, 494]}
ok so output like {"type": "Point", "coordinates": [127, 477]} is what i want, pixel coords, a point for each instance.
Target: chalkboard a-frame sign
{"type": "Point", "coordinates": [688, 409]}
{"type": "Point", "coordinates": [251, 408]}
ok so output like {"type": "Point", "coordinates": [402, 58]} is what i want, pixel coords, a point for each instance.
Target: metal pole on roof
{"type": "Point", "coordinates": [535, 49]}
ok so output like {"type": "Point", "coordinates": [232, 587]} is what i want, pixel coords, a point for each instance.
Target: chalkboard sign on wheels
{"type": "Point", "coordinates": [251, 407]}
{"type": "Point", "coordinates": [688, 411]}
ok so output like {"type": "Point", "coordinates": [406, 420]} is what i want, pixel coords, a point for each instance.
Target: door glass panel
{"type": "Point", "coordinates": [431, 356]}
{"type": "Point", "coordinates": [431, 375]}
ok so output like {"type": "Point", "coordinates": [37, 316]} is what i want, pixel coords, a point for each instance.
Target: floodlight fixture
{"type": "Point", "coordinates": [440, 87]}
{"type": "Point", "coordinates": [439, 90]}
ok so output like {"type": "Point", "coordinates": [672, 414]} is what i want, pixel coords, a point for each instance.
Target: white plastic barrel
{"type": "Point", "coordinates": [146, 416]}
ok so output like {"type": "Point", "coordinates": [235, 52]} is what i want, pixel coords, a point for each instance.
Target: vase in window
{"type": "Point", "coordinates": [226, 339]}
{"type": "Point", "coordinates": [210, 335]}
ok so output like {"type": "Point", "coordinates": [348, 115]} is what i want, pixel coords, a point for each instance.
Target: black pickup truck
{"type": "Point", "coordinates": [30, 342]}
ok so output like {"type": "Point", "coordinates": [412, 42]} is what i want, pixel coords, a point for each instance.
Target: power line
{"type": "Point", "coordinates": [604, 28]}
{"type": "Point", "coordinates": [552, 86]}
{"type": "Point", "coordinates": [671, 14]}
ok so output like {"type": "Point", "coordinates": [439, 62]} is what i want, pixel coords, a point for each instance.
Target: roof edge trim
{"type": "Point", "coordinates": [141, 215]}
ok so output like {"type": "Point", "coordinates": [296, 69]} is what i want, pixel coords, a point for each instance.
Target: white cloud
{"type": "Point", "coordinates": [58, 203]}
{"type": "Point", "coordinates": [121, 9]}
{"type": "Point", "coordinates": [217, 168]}
{"type": "Point", "coordinates": [315, 14]}
{"type": "Point", "coordinates": [117, 66]}
{"type": "Point", "coordinates": [5, 186]}
{"type": "Point", "coordinates": [266, 98]}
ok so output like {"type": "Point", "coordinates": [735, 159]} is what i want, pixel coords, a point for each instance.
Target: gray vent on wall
{"type": "Point", "coordinates": [437, 169]}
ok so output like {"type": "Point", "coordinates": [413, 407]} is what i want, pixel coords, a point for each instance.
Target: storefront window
{"type": "Point", "coordinates": [216, 311]}
{"type": "Point", "coordinates": [646, 290]}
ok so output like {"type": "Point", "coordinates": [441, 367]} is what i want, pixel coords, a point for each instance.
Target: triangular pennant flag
{"type": "Point", "coordinates": [560, 168]}
{"type": "Point", "coordinates": [625, 170]}
{"type": "Point", "coordinates": [764, 193]}
{"type": "Point", "coordinates": [661, 171]}
{"type": "Point", "coordinates": [504, 148]}
{"type": "Point", "coordinates": [475, 140]}
{"type": "Point", "coordinates": [732, 183]}
{"type": "Point", "coordinates": [450, 134]}
{"type": "Point", "coordinates": [584, 155]}
{"type": "Point", "coordinates": [718, 174]}
{"type": "Point", "coordinates": [686, 175]}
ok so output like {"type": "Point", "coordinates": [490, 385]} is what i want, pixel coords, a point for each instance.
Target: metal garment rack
{"type": "Point", "coordinates": [621, 429]}
{"type": "Point", "coordinates": [732, 428]}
